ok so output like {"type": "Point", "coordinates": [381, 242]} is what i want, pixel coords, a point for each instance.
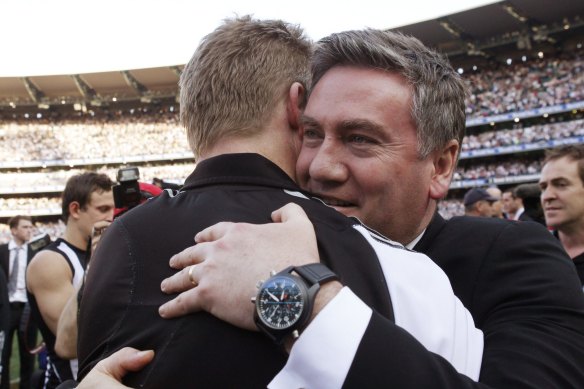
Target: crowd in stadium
{"type": "Point", "coordinates": [515, 167]}
{"type": "Point", "coordinates": [125, 135]}
{"type": "Point", "coordinates": [524, 86]}
{"type": "Point", "coordinates": [23, 182]}
{"type": "Point", "coordinates": [526, 135]}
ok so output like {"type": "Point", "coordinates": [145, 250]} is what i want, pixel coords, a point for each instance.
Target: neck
{"type": "Point", "coordinates": [19, 242]}
{"type": "Point", "coordinates": [573, 240]}
{"type": "Point", "coordinates": [412, 229]}
{"type": "Point", "coordinates": [75, 237]}
{"type": "Point", "coordinates": [276, 143]}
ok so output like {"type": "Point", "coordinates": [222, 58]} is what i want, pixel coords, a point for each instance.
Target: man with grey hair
{"type": "Point", "coordinates": [381, 135]}
{"type": "Point", "coordinates": [241, 99]}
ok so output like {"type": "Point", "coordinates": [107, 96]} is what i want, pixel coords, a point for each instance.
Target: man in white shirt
{"type": "Point", "coordinates": [14, 257]}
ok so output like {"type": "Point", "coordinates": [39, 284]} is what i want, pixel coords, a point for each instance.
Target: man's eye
{"type": "Point", "coordinates": [308, 133]}
{"type": "Point", "coordinates": [359, 139]}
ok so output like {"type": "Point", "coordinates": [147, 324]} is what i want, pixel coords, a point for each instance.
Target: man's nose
{"type": "Point", "coordinates": [328, 164]}
{"type": "Point", "coordinates": [547, 194]}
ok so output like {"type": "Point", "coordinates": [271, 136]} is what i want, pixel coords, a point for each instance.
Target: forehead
{"type": "Point", "coordinates": [561, 167]}
{"type": "Point", "coordinates": [24, 223]}
{"type": "Point", "coordinates": [348, 93]}
{"type": "Point", "coordinates": [100, 197]}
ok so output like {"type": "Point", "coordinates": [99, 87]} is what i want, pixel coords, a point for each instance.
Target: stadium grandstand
{"type": "Point", "coordinates": [523, 61]}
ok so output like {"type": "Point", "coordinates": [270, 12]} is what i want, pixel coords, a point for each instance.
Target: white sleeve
{"type": "Point", "coordinates": [423, 303]}
{"type": "Point", "coordinates": [322, 355]}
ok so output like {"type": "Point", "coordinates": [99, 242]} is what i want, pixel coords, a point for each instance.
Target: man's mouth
{"type": "Point", "coordinates": [336, 202]}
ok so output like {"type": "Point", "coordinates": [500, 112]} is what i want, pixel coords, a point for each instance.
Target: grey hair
{"type": "Point", "coordinates": [438, 91]}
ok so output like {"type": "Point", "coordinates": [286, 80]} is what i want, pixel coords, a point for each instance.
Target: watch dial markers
{"type": "Point", "coordinates": [280, 312]}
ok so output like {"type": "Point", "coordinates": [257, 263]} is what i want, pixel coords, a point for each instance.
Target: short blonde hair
{"type": "Point", "coordinates": [237, 75]}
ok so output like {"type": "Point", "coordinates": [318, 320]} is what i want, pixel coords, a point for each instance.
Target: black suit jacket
{"type": "Point", "coordinates": [4, 303]}
{"type": "Point", "coordinates": [524, 294]}
{"type": "Point", "coordinates": [122, 291]}
{"type": "Point", "coordinates": [5, 259]}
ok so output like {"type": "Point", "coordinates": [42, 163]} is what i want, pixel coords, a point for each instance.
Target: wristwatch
{"type": "Point", "coordinates": [284, 301]}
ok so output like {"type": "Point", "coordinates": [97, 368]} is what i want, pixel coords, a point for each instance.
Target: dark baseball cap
{"type": "Point", "coordinates": [477, 194]}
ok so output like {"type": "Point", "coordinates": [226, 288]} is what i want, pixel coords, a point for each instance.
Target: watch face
{"type": "Point", "coordinates": [280, 302]}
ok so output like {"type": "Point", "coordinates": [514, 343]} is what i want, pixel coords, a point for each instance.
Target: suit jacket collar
{"type": "Point", "coordinates": [244, 168]}
{"type": "Point", "coordinates": [436, 225]}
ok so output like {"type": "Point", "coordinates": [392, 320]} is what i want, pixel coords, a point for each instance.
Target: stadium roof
{"type": "Point", "coordinates": [481, 33]}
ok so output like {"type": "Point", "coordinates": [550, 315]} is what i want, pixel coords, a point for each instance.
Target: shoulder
{"type": "Point", "coordinates": [490, 228]}
{"type": "Point", "coordinates": [47, 267]}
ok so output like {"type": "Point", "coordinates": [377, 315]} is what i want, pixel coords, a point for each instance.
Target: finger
{"type": "Point", "coordinates": [184, 280]}
{"type": "Point", "coordinates": [190, 256]}
{"type": "Point", "coordinates": [123, 361]}
{"type": "Point", "coordinates": [102, 223]}
{"type": "Point", "coordinates": [289, 212]}
{"type": "Point", "coordinates": [213, 233]}
{"type": "Point", "coordinates": [185, 303]}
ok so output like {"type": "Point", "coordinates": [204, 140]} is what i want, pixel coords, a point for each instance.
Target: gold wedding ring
{"type": "Point", "coordinates": [191, 275]}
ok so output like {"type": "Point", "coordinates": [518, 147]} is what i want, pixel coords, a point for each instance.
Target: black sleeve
{"type": "Point", "coordinates": [69, 384]}
{"type": "Point", "coordinates": [389, 357]}
{"type": "Point", "coordinates": [528, 303]}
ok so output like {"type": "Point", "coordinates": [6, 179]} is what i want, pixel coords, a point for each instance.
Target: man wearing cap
{"type": "Point", "coordinates": [478, 202]}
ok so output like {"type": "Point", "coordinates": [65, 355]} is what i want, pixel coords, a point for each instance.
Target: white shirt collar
{"type": "Point", "coordinates": [415, 241]}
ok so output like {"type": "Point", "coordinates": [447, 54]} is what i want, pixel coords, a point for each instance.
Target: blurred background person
{"type": "Point", "coordinates": [497, 205]}
{"type": "Point", "coordinates": [478, 202]}
{"type": "Point", "coordinates": [512, 205]}
{"type": "Point", "coordinates": [14, 258]}
{"type": "Point", "coordinates": [529, 195]}
{"type": "Point", "coordinates": [562, 199]}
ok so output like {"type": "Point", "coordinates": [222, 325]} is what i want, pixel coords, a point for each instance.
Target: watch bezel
{"type": "Point", "coordinates": [308, 278]}
{"type": "Point", "coordinates": [303, 292]}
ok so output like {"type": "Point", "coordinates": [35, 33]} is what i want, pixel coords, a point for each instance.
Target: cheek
{"type": "Point", "coordinates": [303, 166]}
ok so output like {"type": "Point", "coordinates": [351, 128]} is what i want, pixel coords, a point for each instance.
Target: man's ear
{"type": "Point", "coordinates": [74, 209]}
{"type": "Point", "coordinates": [444, 165]}
{"type": "Point", "coordinates": [296, 102]}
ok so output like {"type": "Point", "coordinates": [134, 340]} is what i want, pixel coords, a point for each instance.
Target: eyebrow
{"type": "Point", "coordinates": [307, 120]}
{"type": "Point", "coordinates": [346, 125]}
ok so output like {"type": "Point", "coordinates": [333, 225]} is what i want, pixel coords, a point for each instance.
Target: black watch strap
{"type": "Point", "coordinates": [316, 273]}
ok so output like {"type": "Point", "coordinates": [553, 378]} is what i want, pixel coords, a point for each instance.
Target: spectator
{"type": "Point", "coordinates": [14, 258]}
{"type": "Point", "coordinates": [478, 202]}
{"type": "Point", "coordinates": [497, 205]}
{"type": "Point", "coordinates": [562, 198]}
{"type": "Point", "coordinates": [529, 195]}
{"type": "Point", "coordinates": [512, 205]}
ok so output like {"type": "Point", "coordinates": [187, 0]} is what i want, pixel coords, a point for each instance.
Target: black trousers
{"type": "Point", "coordinates": [21, 324]}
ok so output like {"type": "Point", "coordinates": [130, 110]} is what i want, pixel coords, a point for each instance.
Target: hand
{"type": "Point", "coordinates": [108, 373]}
{"type": "Point", "coordinates": [230, 258]}
{"type": "Point", "coordinates": [98, 230]}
